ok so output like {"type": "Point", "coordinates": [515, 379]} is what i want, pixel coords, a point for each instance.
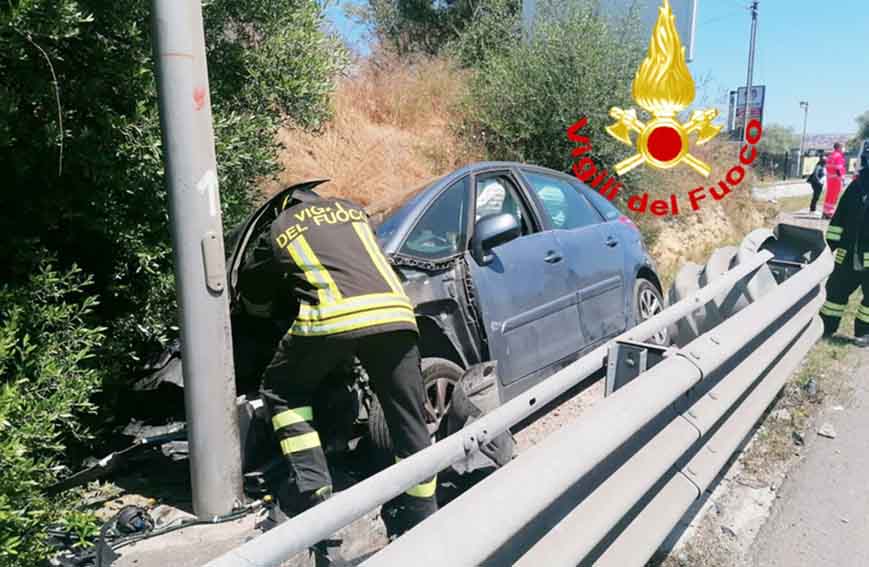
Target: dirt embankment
{"type": "Point", "coordinates": [390, 133]}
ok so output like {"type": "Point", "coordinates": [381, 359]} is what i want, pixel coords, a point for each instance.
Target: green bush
{"type": "Point", "coordinates": [525, 96]}
{"type": "Point", "coordinates": [47, 377]}
{"type": "Point", "coordinates": [412, 26]}
{"type": "Point", "coordinates": [493, 28]}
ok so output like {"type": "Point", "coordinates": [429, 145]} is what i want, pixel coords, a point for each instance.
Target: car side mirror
{"type": "Point", "coordinates": [490, 232]}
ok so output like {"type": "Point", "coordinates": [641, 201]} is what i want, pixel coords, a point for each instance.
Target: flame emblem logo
{"type": "Point", "coordinates": [663, 86]}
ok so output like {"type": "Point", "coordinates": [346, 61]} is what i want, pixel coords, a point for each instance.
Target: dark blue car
{"type": "Point", "coordinates": [519, 264]}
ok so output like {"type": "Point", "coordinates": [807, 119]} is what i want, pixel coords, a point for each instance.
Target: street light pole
{"type": "Point", "coordinates": [200, 271]}
{"type": "Point", "coordinates": [805, 106]}
{"type": "Point", "coordinates": [750, 78]}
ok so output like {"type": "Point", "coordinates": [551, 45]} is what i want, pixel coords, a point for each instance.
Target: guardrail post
{"type": "Point", "coordinates": [197, 234]}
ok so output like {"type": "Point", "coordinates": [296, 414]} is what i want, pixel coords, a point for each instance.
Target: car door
{"type": "Point", "coordinates": [594, 256]}
{"type": "Point", "coordinates": [528, 310]}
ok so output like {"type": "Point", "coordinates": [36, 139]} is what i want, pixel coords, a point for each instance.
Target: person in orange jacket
{"type": "Point", "coordinates": [835, 179]}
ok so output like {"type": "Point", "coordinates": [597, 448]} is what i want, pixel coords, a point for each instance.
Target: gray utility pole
{"type": "Point", "coordinates": [748, 82]}
{"type": "Point", "coordinates": [805, 106]}
{"type": "Point", "coordinates": [200, 272]}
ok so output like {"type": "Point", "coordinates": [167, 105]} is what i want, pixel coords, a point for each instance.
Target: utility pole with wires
{"type": "Point", "coordinates": [748, 82]}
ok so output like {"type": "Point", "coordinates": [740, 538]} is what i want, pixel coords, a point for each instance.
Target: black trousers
{"type": "Point", "coordinates": [817, 189]}
{"type": "Point", "coordinates": [843, 282]}
{"type": "Point", "coordinates": [392, 362]}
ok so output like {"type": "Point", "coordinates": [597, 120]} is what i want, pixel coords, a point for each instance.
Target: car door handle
{"type": "Point", "coordinates": [612, 242]}
{"type": "Point", "coordinates": [553, 257]}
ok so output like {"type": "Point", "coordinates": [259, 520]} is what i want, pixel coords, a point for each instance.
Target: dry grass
{"type": "Point", "coordinates": [390, 134]}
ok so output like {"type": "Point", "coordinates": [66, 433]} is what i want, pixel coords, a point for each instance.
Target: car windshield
{"type": "Point", "coordinates": [388, 217]}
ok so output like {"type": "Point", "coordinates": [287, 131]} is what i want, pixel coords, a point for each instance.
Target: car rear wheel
{"type": "Point", "coordinates": [439, 378]}
{"type": "Point", "coordinates": [648, 302]}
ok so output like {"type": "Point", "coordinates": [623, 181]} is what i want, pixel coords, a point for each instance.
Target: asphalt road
{"type": "Point", "coordinates": [821, 518]}
{"type": "Point", "coordinates": [787, 189]}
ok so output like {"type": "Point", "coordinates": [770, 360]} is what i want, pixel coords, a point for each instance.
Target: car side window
{"type": "Point", "coordinates": [603, 206]}
{"type": "Point", "coordinates": [562, 203]}
{"type": "Point", "coordinates": [442, 230]}
{"type": "Point", "coordinates": [497, 194]}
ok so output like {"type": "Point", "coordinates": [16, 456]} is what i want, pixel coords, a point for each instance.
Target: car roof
{"type": "Point", "coordinates": [402, 220]}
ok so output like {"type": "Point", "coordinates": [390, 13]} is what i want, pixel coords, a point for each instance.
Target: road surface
{"type": "Point", "coordinates": [822, 516]}
{"type": "Point", "coordinates": [786, 189]}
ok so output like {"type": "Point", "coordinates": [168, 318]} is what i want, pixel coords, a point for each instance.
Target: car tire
{"type": "Point", "coordinates": [648, 302]}
{"type": "Point", "coordinates": [439, 378]}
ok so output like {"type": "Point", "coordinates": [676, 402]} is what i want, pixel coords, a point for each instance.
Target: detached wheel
{"type": "Point", "coordinates": [439, 378]}
{"type": "Point", "coordinates": [648, 302]}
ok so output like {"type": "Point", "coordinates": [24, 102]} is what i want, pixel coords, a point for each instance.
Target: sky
{"type": "Point", "coordinates": [806, 51]}
{"type": "Point", "coordinates": [813, 51]}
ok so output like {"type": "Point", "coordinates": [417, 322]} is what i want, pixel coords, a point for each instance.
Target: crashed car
{"type": "Point", "coordinates": [503, 262]}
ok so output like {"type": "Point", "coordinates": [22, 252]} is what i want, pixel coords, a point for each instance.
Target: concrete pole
{"type": "Point", "coordinates": [750, 78]}
{"type": "Point", "coordinates": [805, 106]}
{"type": "Point", "coordinates": [200, 272]}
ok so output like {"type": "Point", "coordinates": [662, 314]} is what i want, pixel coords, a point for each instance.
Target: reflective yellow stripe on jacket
{"type": "Point", "coordinates": [866, 259]}
{"type": "Point", "coordinates": [314, 271]}
{"type": "Point", "coordinates": [839, 256]}
{"type": "Point", "coordinates": [335, 314]}
{"type": "Point", "coordinates": [863, 314]}
{"type": "Point", "coordinates": [353, 305]}
{"type": "Point", "coordinates": [834, 233]}
{"type": "Point", "coordinates": [353, 322]}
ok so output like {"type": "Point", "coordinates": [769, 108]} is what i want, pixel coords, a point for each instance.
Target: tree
{"type": "Point", "coordinates": [422, 26]}
{"type": "Point", "coordinates": [523, 97]}
{"type": "Point", "coordinates": [862, 131]}
{"type": "Point", "coordinates": [778, 139]}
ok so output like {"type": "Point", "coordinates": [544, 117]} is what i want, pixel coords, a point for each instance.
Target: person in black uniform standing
{"type": "Point", "coordinates": [817, 180]}
{"type": "Point", "coordinates": [351, 302]}
{"type": "Point", "coordinates": [848, 237]}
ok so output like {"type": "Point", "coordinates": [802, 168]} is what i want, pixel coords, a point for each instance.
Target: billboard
{"type": "Point", "coordinates": [756, 104]}
{"type": "Point", "coordinates": [684, 10]}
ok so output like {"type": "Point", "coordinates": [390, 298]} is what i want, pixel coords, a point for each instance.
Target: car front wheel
{"type": "Point", "coordinates": [648, 302]}
{"type": "Point", "coordinates": [439, 377]}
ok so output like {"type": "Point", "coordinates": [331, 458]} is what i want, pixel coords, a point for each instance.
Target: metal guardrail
{"type": "Point", "coordinates": [563, 501]}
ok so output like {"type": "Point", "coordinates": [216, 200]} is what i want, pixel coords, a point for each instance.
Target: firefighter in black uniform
{"type": "Point", "coordinates": [351, 302]}
{"type": "Point", "coordinates": [848, 238]}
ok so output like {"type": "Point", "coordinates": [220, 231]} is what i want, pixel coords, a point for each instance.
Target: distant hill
{"type": "Point", "coordinates": [824, 141]}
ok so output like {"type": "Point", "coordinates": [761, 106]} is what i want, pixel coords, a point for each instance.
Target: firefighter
{"type": "Point", "coordinates": [848, 238]}
{"type": "Point", "coordinates": [351, 302]}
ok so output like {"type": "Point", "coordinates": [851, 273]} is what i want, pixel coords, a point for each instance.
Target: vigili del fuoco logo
{"type": "Point", "coordinates": [663, 86]}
